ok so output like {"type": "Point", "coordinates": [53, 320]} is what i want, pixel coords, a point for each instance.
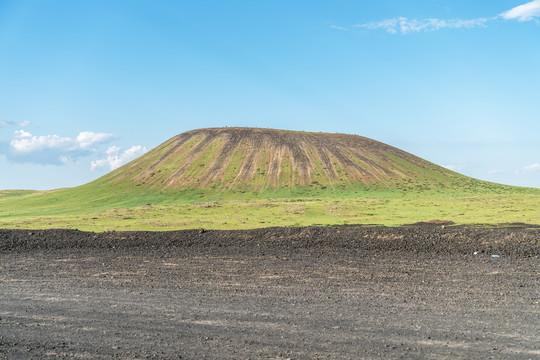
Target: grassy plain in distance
{"type": "Point", "coordinates": [92, 209]}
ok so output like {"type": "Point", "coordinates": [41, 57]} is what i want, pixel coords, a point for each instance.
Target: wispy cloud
{"type": "Point", "coordinates": [336, 27]}
{"type": "Point", "coordinates": [116, 158]}
{"type": "Point", "coordinates": [402, 25]}
{"type": "Point", "coordinates": [4, 124]}
{"type": "Point", "coordinates": [525, 12]}
{"type": "Point", "coordinates": [532, 167]}
{"type": "Point", "coordinates": [53, 149]}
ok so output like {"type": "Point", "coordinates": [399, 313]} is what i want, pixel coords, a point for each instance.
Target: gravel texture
{"type": "Point", "coordinates": [279, 293]}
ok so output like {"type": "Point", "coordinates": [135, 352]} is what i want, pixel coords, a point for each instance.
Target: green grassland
{"type": "Point", "coordinates": [101, 206]}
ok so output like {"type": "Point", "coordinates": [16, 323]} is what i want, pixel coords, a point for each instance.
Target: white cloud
{"type": "Point", "coordinates": [24, 123]}
{"type": "Point", "coordinates": [58, 150]}
{"type": "Point", "coordinates": [495, 172]}
{"type": "Point", "coordinates": [533, 167]}
{"type": "Point", "coordinates": [88, 138]}
{"type": "Point", "coordinates": [24, 142]}
{"type": "Point", "coordinates": [52, 149]}
{"type": "Point", "coordinates": [404, 25]}
{"type": "Point", "coordinates": [116, 158]}
{"type": "Point", "coordinates": [525, 12]}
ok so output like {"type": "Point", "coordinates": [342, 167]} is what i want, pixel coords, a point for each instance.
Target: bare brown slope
{"type": "Point", "coordinates": [259, 158]}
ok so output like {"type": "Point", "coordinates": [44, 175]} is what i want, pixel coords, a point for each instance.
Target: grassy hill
{"type": "Point", "coordinates": [244, 177]}
{"type": "Point", "coordinates": [265, 160]}
{"type": "Point", "coordinates": [255, 159]}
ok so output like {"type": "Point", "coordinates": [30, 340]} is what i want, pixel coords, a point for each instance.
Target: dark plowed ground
{"type": "Point", "coordinates": [299, 293]}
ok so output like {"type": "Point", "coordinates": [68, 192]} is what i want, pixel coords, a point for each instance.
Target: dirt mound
{"type": "Point", "coordinates": [259, 158]}
{"type": "Point", "coordinates": [420, 239]}
{"type": "Point", "coordinates": [435, 222]}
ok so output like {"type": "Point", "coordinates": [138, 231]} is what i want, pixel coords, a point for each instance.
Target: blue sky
{"type": "Point", "coordinates": [86, 86]}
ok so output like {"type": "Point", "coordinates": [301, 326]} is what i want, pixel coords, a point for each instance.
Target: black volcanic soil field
{"type": "Point", "coordinates": [294, 293]}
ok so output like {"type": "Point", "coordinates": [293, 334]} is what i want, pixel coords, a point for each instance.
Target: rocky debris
{"type": "Point", "coordinates": [521, 242]}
